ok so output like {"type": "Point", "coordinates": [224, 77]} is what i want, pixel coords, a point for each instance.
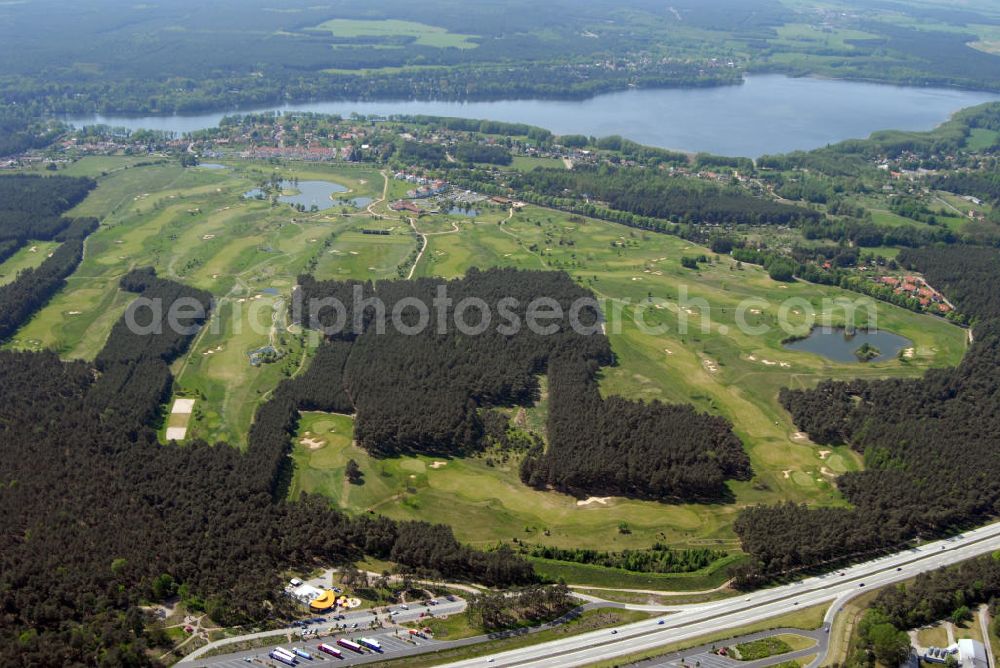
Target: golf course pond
{"type": "Point", "coordinates": [839, 345]}
{"type": "Point", "coordinates": [307, 193]}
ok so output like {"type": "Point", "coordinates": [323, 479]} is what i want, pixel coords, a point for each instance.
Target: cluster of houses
{"type": "Point", "coordinates": [916, 287]}
{"type": "Point", "coordinates": [425, 187]}
{"type": "Point", "coordinates": [305, 153]}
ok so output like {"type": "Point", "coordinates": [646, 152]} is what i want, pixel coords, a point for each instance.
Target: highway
{"type": "Point", "coordinates": [693, 621]}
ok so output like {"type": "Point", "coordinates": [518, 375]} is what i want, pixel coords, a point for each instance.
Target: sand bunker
{"type": "Point", "coordinates": [176, 433]}
{"type": "Point", "coordinates": [787, 474]}
{"type": "Point", "coordinates": [823, 454]}
{"type": "Point", "coordinates": [800, 436]}
{"type": "Point", "coordinates": [313, 443]}
{"type": "Point", "coordinates": [603, 500]}
{"type": "Point", "coordinates": [437, 465]}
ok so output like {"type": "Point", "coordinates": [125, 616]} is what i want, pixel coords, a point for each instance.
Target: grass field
{"type": "Point", "coordinates": [421, 33]}
{"type": "Point", "coordinates": [29, 256]}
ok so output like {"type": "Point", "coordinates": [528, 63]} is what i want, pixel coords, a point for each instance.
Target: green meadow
{"type": "Point", "coordinates": [421, 33]}
{"type": "Point", "coordinates": [29, 257]}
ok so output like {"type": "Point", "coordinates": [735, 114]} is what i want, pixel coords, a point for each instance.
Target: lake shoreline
{"type": "Point", "coordinates": [764, 114]}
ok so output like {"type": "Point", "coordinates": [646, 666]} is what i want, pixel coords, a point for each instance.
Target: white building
{"type": "Point", "coordinates": [972, 654]}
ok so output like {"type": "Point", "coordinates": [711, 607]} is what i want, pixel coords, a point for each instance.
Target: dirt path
{"type": "Point", "coordinates": [385, 193]}
{"type": "Point", "coordinates": [423, 237]}
{"type": "Point", "coordinates": [984, 622]}
{"type": "Point", "coordinates": [724, 585]}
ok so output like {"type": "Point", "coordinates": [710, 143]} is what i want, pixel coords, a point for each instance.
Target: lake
{"type": "Point", "coordinates": [835, 344]}
{"type": "Point", "coordinates": [318, 193]}
{"type": "Point", "coordinates": [767, 114]}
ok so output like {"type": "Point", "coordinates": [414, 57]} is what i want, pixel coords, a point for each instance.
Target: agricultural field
{"type": "Point", "coordinates": [421, 34]}
{"type": "Point", "coordinates": [715, 365]}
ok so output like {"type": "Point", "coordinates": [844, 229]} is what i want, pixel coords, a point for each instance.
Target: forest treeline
{"type": "Point", "coordinates": [617, 447]}
{"type": "Point", "coordinates": [929, 444]}
{"type": "Point", "coordinates": [657, 195]}
{"type": "Point", "coordinates": [126, 520]}
{"type": "Point", "coordinates": [31, 208]}
{"type": "Point", "coordinates": [657, 559]}
{"type": "Point", "coordinates": [422, 392]}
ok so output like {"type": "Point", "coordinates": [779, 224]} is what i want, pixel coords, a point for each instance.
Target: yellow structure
{"type": "Point", "coordinates": [324, 602]}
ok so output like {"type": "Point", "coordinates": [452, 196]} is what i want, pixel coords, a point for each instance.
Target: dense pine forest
{"type": "Point", "coordinates": [126, 520]}
{"type": "Point", "coordinates": [423, 392]}
{"type": "Point", "coordinates": [930, 445]}
{"type": "Point", "coordinates": [650, 194]}
{"type": "Point", "coordinates": [618, 447]}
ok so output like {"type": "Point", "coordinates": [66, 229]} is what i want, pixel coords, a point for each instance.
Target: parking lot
{"type": "Point", "coordinates": [393, 646]}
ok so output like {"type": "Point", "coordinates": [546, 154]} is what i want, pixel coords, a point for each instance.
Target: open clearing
{"type": "Point", "coordinates": [29, 257]}
{"type": "Point", "coordinates": [421, 34]}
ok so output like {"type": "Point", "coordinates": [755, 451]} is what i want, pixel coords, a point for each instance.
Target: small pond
{"type": "Point", "coordinates": [459, 211]}
{"type": "Point", "coordinates": [836, 344]}
{"type": "Point", "coordinates": [356, 202]}
{"type": "Point", "coordinates": [211, 165]}
{"type": "Point", "coordinates": [309, 193]}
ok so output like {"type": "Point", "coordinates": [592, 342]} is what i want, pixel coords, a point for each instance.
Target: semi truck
{"type": "Point", "coordinates": [331, 650]}
{"type": "Point", "coordinates": [301, 652]}
{"type": "Point", "coordinates": [371, 644]}
{"type": "Point", "coordinates": [351, 645]}
{"type": "Point", "coordinates": [284, 658]}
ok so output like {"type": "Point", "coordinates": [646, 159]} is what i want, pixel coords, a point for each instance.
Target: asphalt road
{"type": "Point", "coordinates": [698, 620]}
{"type": "Point", "coordinates": [707, 658]}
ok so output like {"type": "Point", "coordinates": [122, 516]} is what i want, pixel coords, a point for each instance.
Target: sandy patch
{"type": "Point", "coordinates": [183, 407]}
{"type": "Point", "coordinates": [437, 465]}
{"type": "Point", "coordinates": [603, 500]}
{"type": "Point", "coordinates": [176, 433]}
{"type": "Point", "coordinates": [313, 443]}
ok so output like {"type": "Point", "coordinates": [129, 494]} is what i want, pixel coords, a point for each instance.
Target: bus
{"type": "Point", "coordinates": [331, 650]}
